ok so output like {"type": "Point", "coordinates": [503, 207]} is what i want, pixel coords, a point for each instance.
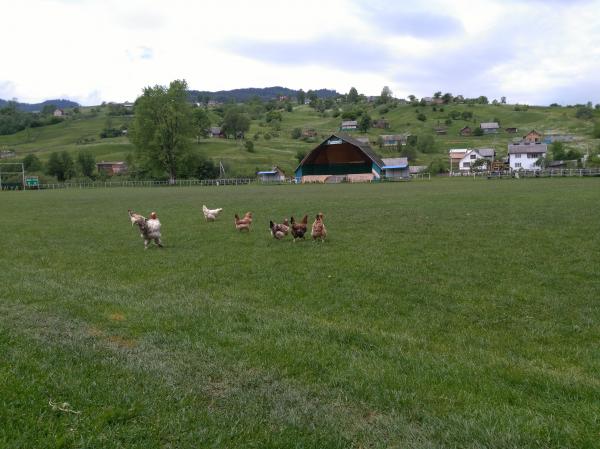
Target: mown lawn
{"type": "Point", "coordinates": [451, 313]}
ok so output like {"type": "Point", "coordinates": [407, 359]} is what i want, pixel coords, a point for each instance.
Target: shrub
{"type": "Point", "coordinates": [296, 133]}
{"type": "Point", "coordinates": [249, 146]}
{"type": "Point", "coordinates": [421, 117]}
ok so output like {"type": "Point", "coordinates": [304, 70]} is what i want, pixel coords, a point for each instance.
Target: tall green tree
{"type": "Point", "coordinates": [32, 163]}
{"type": "Point", "coordinates": [386, 95]}
{"type": "Point", "coordinates": [301, 96]}
{"type": "Point", "coordinates": [201, 121]}
{"type": "Point", "coordinates": [235, 122]}
{"type": "Point", "coordinates": [86, 163]}
{"type": "Point", "coordinates": [353, 95]}
{"type": "Point", "coordinates": [364, 123]}
{"type": "Point", "coordinates": [163, 126]}
{"type": "Point", "coordinates": [61, 165]}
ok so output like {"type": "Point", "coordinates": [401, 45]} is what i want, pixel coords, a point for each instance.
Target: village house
{"type": "Point", "coordinates": [216, 131]}
{"type": "Point", "coordinates": [112, 168]}
{"type": "Point", "coordinates": [381, 123]}
{"type": "Point", "coordinates": [490, 127]}
{"type": "Point", "coordinates": [466, 131]}
{"type": "Point", "coordinates": [556, 137]}
{"type": "Point", "coordinates": [532, 137]}
{"type": "Point", "coordinates": [441, 130]}
{"type": "Point", "coordinates": [393, 140]}
{"type": "Point", "coordinates": [511, 130]}
{"type": "Point", "coordinates": [395, 168]}
{"type": "Point", "coordinates": [466, 162]}
{"type": "Point", "coordinates": [273, 175]}
{"type": "Point", "coordinates": [58, 113]}
{"type": "Point", "coordinates": [455, 155]}
{"type": "Point", "coordinates": [524, 155]}
{"type": "Point", "coordinates": [7, 154]}
{"type": "Point", "coordinates": [349, 125]}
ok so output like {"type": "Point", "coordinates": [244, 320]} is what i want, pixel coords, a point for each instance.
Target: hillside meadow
{"type": "Point", "coordinates": [455, 313]}
{"type": "Point", "coordinates": [81, 133]}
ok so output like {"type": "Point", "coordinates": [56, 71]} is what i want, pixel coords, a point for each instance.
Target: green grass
{"type": "Point", "coordinates": [452, 313]}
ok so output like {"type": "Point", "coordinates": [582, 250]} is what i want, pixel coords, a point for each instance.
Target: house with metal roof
{"type": "Point", "coordinates": [466, 162]}
{"type": "Point", "coordinates": [396, 168]}
{"type": "Point", "coordinates": [340, 157]}
{"type": "Point", "coordinates": [393, 140]}
{"type": "Point", "coordinates": [490, 127]}
{"type": "Point", "coordinates": [349, 125]}
{"type": "Point", "coordinates": [524, 155]}
{"type": "Point", "coordinates": [274, 175]}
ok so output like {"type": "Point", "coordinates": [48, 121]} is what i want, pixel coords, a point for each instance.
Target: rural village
{"type": "Point", "coordinates": [338, 224]}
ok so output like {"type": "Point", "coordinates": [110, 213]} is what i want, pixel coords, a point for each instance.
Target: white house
{"type": "Point", "coordinates": [349, 125]}
{"type": "Point", "coordinates": [455, 155]}
{"type": "Point", "coordinates": [471, 156]}
{"type": "Point", "coordinates": [524, 155]}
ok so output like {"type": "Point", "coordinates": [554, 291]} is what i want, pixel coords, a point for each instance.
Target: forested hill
{"type": "Point", "coordinates": [33, 107]}
{"type": "Point", "coordinates": [264, 93]}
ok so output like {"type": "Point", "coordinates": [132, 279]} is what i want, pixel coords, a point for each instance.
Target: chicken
{"type": "Point", "coordinates": [318, 228]}
{"type": "Point", "coordinates": [210, 214]}
{"type": "Point", "coordinates": [149, 229]}
{"type": "Point", "coordinates": [299, 229]}
{"type": "Point", "coordinates": [280, 230]}
{"type": "Point", "coordinates": [134, 217]}
{"type": "Point", "coordinates": [243, 224]}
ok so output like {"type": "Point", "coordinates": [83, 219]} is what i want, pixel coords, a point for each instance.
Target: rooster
{"type": "Point", "coordinates": [149, 228]}
{"type": "Point", "coordinates": [299, 229]}
{"type": "Point", "coordinates": [243, 224]}
{"type": "Point", "coordinates": [280, 230]}
{"type": "Point", "coordinates": [134, 217]}
{"type": "Point", "coordinates": [318, 228]}
{"type": "Point", "coordinates": [210, 214]}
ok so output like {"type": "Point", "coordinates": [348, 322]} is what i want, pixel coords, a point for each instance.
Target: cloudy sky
{"type": "Point", "coordinates": [530, 51]}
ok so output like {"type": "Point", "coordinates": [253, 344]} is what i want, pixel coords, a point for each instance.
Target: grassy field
{"type": "Point", "coordinates": [451, 313]}
{"type": "Point", "coordinates": [282, 149]}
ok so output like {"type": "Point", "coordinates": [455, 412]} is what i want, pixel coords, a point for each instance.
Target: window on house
{"type": "Point", "coordinates": [533, 156]}
{"type": "Point", "coordinates": [518, 165]}
{"type": "Point", "coordinates": [473, 156]}
{"type": "Point", "coordinates": [466, 164]}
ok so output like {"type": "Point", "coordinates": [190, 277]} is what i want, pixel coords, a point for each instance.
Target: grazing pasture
{"type": "Point", "coordinates": [452, 313]}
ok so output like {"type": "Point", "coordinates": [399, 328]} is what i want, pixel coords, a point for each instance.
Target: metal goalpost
{"type": "Point", "coordinates": [11, 170]}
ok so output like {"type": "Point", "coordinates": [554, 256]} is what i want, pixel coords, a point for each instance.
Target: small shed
{"type": "Point", "coordinates": [274, 175]}
{"type": "Point", "coordinates": [396, 168]}
{"type": "Point", "coordinates": [511, 130]}
{"type": "Point", "coordinates": [216, 131]}
{"type": "Point", "coordinates": [490, 127]}
{"type": "Point", "coordinates": [532, 137]}
{"type": "Point", "coordinates": [112, 168]}
{"type": "Point", "coordinates": [381, 123]}
{"type": "Point", "coordinates": [392, 140]}
{"type": "Point", "coordinates": [466, 131]}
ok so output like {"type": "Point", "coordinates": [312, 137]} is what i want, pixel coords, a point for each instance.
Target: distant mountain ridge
{"type": "Point", "coordinates": [264, 93]}
{"type": "Point", "coordinates": [33, 107]}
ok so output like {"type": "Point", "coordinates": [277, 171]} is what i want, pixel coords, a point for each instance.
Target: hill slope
{"type": "Point", "coordinates": [35, 107]}
{"type": "Point", "coordinates": [273, 144]}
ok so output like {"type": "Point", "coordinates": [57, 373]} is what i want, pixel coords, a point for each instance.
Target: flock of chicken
{"type": "Point", "coordinates": [281, 230]}
{"type": "Point", "coordinates": [150, 227]}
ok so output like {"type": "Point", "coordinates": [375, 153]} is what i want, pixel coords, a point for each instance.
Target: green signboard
{"type": "Point", "coordinates": [32, 181]}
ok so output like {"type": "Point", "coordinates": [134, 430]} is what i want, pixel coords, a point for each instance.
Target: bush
{"type": "Point", "coordinates": [267, 136]}
{"type": "Point", "coordinates": [596, 131]}
{"type": "Point", "coordinates": [478, 132]}
{"type": "Point", "coordinates": [421, 117]}
{"type": "Point", "coordinates": [249, 146]}
{"type": "Point", "coordinates": [296, 133]}
{"type": "Point", "coordinates": [584, 112]}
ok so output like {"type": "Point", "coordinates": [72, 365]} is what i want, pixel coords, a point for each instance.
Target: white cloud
{"type": "Point", "coordinates": [108, 50]}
